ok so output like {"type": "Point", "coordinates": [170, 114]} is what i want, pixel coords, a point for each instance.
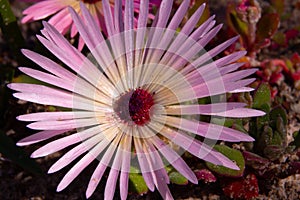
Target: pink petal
{"type": "Point", "coordinates": [50, 96]}
{"type": "Point", "coordinates": [195, 147]}
{"type": "Point", "coordinates": [56, 146]}
{"type": "Point", "coordinates": [174, 159]}
{"type": "Point", "coordinates": [83, 163]}
{"type": "Point", "coordinates": [62, 21]}
{"type": "Point", "coordinates": [108, 17]}
{"type": "Point", "coordinates": [202, 109]}
{"type": "Point", "coordinates": [145, 168]}
{"type": "Point", "coordinates": [112, 178]}
{"type": "Point", "coordinates": [209, 36]}
{"type": "Point", "coordinates": [203, 28]}
{"type": "Point", "coordinates": [118, 17]}
{"type": "Point", "coordinates": [49, 65]}
{"type": "Point", "coordinates": [56, 116]}
{"type": "Point", "coordinates": [65, 124]}
{"type": "Point", "coordinates": [193, 20]}
{"type": "Point", "coordinates": [98, 173]}
{"type": "Point", "coordinates": [241, 113]}
{"type": "Point", "coordinates": [242, 89]}
{"type": "Point", "coordinates": [89, 71]}
{"type": "Point", "coordinates": [125, 168]}
{"type": "Point", "coordinates": [79, 86]}
{"type": "Point", "coordinates": [75, 171]}
{"type": "Point", "coordinates": [40, 136]}
{"type": "Point", "coordinates": [207, 130]}
{"type": "Point", "coordinates": [95, 179]}
{"type": "Point", "coordinates": [42, 10]}
{"type": "Point", "coordinates": [96, 134]}
{"type": "Point", "coordinates": [162, 186]}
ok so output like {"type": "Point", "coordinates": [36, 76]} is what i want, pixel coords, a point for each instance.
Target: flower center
{"type": "Point", "coordinates": [90, 1]}
{"type": "Point", "coordinates": [134, 106]}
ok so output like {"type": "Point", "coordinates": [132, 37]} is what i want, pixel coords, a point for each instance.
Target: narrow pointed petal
{"type": "Point", "coordinates": [83, 163]}
{"type": "Point", "coordinates": [202, 109]}
{"type": "Point", "coordinates": [105, 160]}
{"type": "Point", "coordinates": [175, 160]}
{"type": "Point", "coordinates": [49, 65]}
{"type": "Point", "coordinates": [195, 147]}
{"type": "Point", "coordinates": [40, 136]}
{"type": "Point", "coordinates": [241, 113]}
{"type": "Point", "coordinates": [145, 169]}
{"type": "Point", "coordinates": [69, 140]}
{"type": "Point", "coordinates": [208, 130]}
{"type": "Point", "coordinates": [55, 116]}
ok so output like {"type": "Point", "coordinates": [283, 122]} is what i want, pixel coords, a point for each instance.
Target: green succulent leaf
{"type": "Point", "coordinates": [136, 182]}
{"type": "Point", "coordinates": [296, 136]}
{"type": "Point", "coordinates": [279, 111]}
{"type": "Point", "coordinates": [234, 155]}
{"type": "Point", "coordinates": [235, 22]}
{"type": "Point", "coordinates": [177, 178]}
{"type": "Point", "coordinates": [277, 138]}
{"type": "Point", "coordinates": [262, 96]}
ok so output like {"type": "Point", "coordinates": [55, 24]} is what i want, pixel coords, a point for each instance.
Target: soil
{"type": "Point", "coordinates": [17, 183]}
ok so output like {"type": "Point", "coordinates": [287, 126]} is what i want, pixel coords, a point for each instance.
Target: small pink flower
{"type": "Point", "coordinates": [61, 18]}
{"type": "Point", "coordinates": [137, 99]}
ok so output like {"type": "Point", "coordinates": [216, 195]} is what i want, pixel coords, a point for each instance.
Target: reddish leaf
{"type": "Point", "coordinates": [205, 175]}
{"type": "Point", "coordinates": [267, 26]}
{"type": "Point", "coordinates": [242, 188]}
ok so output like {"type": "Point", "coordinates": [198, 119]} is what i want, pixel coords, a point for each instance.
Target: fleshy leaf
{"type": "Point", "coordinates": [266, 27]}
{"type": "Point", "coordinates": [278, 112]}
{"type": "Point", "coordinates": [242, 188]}
{"type": "Point", "coordinates": [235, 22]}
{"type": "Point", "coordinates": [296, 136]}
{"type": "Point", "coordinates": [262, 96]}
{"type": "Point", "coordinates": [177, 178]}
{"type": "Point", "coordinates": [136, 182]}
{"type": "Point", "coordinates": [232, 154]}
{"type": "Point", "coordinates": [205, 175]}
{"type": "Point", "coordinates": [255, 161]}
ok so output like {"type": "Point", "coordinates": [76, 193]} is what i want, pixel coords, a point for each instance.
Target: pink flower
{"type": "Point", "coordinates": [137, 95]}
{"type": "Point", "coordinates": [61, 18]}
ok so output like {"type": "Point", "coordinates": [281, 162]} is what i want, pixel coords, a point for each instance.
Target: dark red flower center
{"type": "Point", "coordinates": [134, 106]}
{"type": "Point", "coordinates": [90, 1]}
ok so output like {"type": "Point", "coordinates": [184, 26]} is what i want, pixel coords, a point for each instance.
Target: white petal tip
{"type": "Point", "coordinates": [34, 155]}
{"type": "Point", "coordinates": [243, 89]}
{"type": "Point", "coordinates": [151, 188]}
{"type": "Point", "coordinates": [248, 139]}
{"type": "Point", "coordinates": [194, 180]}
{"type": "Point", "coordinates": [61, 186]}
{"type": "Point", "coordinates": [9, 86]}
{"type": "Point", "coordinates": [38, 154]}
{"type": "Point", "coordinates": [22, 143]}
{"type": "Point", "coordinates": [52, 170]}
{"type": "Point", "coordinates": [88, 193]}
{"type": "Point", "coordinates": [259, 113]}
{"type": "Point", "coordinates": [234, 167]}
